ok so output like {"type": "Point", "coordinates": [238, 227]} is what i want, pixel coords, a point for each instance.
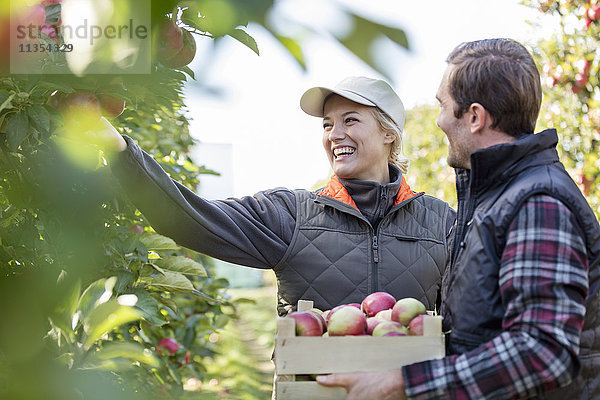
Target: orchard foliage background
{"type": "Point", "coordinates": [95, 303]}
{"type": "Point", "coordinates": [570, 65]}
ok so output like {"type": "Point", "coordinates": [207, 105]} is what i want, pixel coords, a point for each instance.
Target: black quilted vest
{"type": "Point", "coordinates": [333, 242]}
{"type": "Point", "coordinates": [500, 181]}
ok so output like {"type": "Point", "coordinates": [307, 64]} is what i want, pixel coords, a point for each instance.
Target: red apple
{"type": "Point", "coordinates": [395, 334]}
{"type": "Point", "coordinates": [317, 313]}
{"type": "Point", "coordinates": [582, 65]}
{"type": "Point", "coordinates": [372, 322]}
{"type": "Point", "coordinates": [81, 102]}
{"type": "Point", "coordinates": [389, 326]}
{"type": "Point", "coordinates": [185, 55]}
{"type": "Point", "coordinates": [581, 80]}
{"type": "Point", "coordinates": [169, 39]}
{"type": "Point", "coordinates": [334, 309]}
{"type": "Point", "coordinates": [385, 314]}
{"type": "Point", "coordinates": [376, 302]}
{"type": "Point", "coordinates": [112, 106]}
{"type": "Point", "coordinates": [307, 324]}
{"type": "Point", "coordinates": [35, 15]}
{"type": "Point", "coordinates": [168, 344]}
{"type": "Point", "coordinates": [593, 12]}
{"type": "Point", "coordinates": [347, 320]}
{"type": "Point", "coordinates": [50, 31]}
{"type": "Point", "coordinates": [406, 309]}
{"type": "Point", "coordinates": [137, 229]}
{"type": "Point", "coordinates": [415, 327]}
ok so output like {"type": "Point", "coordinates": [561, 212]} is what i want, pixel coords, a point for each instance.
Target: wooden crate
{"type": "Point", "coordinates": [296, 355]}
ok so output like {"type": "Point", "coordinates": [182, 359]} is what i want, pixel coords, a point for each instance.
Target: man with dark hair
{"type": "Point", "coordinates": [521, 296]}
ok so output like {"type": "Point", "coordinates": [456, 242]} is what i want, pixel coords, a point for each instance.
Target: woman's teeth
{"type": "Point", "coordinates": [343, 151]}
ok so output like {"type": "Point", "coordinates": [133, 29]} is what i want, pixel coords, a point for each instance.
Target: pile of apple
{"type": "Point", "coordinates": [379, 314]}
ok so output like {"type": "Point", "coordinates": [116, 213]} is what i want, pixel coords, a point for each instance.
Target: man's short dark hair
{"type": "Point", "coordinates": [501, 75]}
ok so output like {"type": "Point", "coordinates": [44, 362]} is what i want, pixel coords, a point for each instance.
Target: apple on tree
{"type": "Point", "coordinates": [169, 39]}
{"type": "Point", "coordinates": [593, 13]}
{"type": "Point", "coordinates": [168, 344]}
{"type": "Point", "coordinates": [185, 55]}
{"type": "Point", "coordinates": [81, 103]}
{"type": "Point", "coordinates": [111, 106]}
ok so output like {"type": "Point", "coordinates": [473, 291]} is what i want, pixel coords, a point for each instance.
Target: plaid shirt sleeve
{"type": "Point", "coordinates": [543, 284]}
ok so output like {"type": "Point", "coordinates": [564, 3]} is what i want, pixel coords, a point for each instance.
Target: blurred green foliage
{"type": "Point", "coordinates": [426, 147]}
{"type": "Point", "coordinates": [88, 287]}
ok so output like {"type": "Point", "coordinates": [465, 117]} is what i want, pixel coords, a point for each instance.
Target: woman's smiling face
{"type": "Point", "coordinates": [355, 144]}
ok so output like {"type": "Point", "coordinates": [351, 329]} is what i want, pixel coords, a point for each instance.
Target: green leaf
{"type": "Point", "coordinates": [53, 13]}
{"type": "Point", "coordinates": [6, 101]}
{"type": "Point", "coordinates": [3, 97]}
{"type": "Point", "coordinates": [183, 265]}
{"type": "Point", "coordinates": [156, 242]}
{"type": "Point", "coordinates": [40, 117]}
{"type": "Point", "coordinates": [96, 293]}
{"type": "Point", "coordinates": [149, 307]}
{"type": "Point", "coordinates": [169, 303]}
{"type": "Point", "coordinates": [294, 48]}
{"type": "Point", "coordinates": [247, 40]}
{"type": "Point", "coordinates": [106, 317]}
{"type": "Point", "coordinates": [221, 320]}
{"type": "Point", "coordinates": [129, 350]}
{"type": "Point", "coordinates": [170, 282]}
{"type": "Point", "coordinates": [360, 40]}
{"type": "Point", "coordinates": [55, 85]}
{"type": "Point", "coordinates": [62, 315]}
{"type": "Point", "coordinates": [17, 129]}
{"type": "Point", "coordinates": [188, 71]}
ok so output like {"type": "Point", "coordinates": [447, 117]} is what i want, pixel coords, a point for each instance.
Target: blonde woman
{"type": "Point", "coordinates": [365, 231]}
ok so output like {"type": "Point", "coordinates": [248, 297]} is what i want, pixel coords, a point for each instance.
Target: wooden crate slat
{"type": "Point", "coordinates": [308, 391]}
{"type": "Point", "coordinates": [318, 355]}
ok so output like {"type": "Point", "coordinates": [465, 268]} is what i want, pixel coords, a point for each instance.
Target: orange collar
{"type": "Point", "coordinates": [336, 190]}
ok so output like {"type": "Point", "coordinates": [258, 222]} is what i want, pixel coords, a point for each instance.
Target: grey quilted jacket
{"type": "Point", "coordinates": [318, 243]}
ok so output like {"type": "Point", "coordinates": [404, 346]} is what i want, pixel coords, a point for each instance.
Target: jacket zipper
{"type": "Point", "coordinates": [374, 280]}
{"type": "Point", "coordinates": [375, 245]}
{"type": "Point", "coordinates": [374, 283]}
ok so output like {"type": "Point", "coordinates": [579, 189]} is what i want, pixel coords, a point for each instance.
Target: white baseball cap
{"type": "Point", "coordinates": [362, 90]}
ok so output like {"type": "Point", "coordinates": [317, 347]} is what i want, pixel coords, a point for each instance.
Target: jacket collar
{"type": "Point", "coordinates": [336, 190]}
{"type": "Point", "coordinates": [494, 165]}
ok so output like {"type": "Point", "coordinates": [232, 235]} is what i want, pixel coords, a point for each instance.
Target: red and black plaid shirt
{"type": "Point", "coordinates": [543, 283]}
